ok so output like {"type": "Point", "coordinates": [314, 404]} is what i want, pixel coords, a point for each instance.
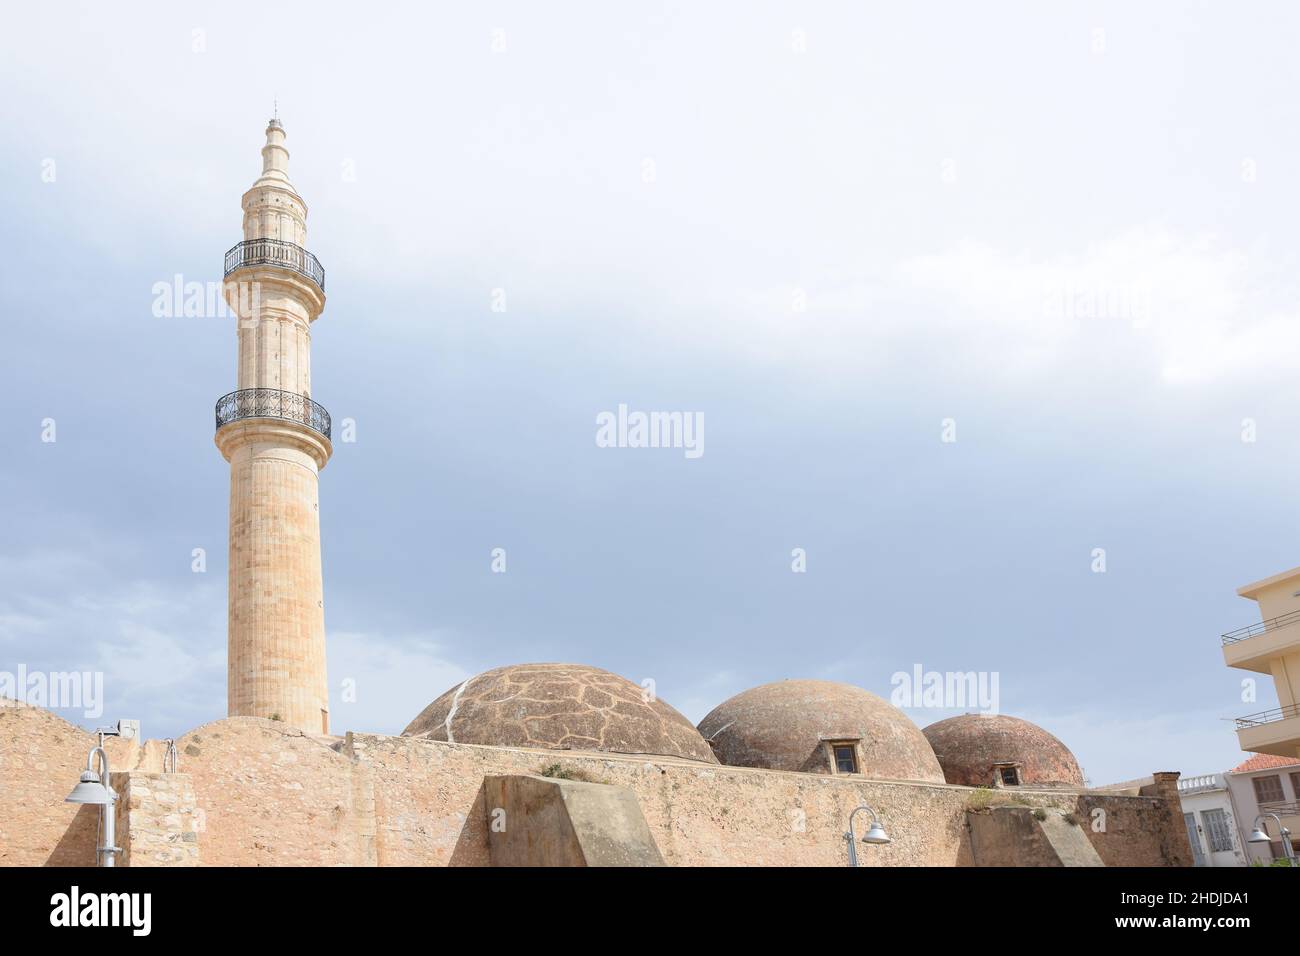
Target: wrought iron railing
{"type": "Point", "coordinates": [276, 252]}
{"type": "Point", "coordinates": [272, 403]}
{"type": "Point", "coordinates": [1254, 630]}
{"type": "Point", "coordinates": [1268, 716]}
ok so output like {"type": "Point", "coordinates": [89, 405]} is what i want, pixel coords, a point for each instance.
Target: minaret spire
{"type": "Point", "coordinates": [275, 155]}
{"type": "Point", "coordinates": [277, 440]}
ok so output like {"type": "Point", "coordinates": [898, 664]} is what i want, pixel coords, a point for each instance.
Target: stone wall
{"type": "Point", "coordinates": [41, 758]}
{"type": "Point", "coordinates": [1145, 830]}
{"type": "Point", "coordinates": [267, 794]}
{"type": "Point", "coordinates": [431, 810]}
{"type": "Point", "coordinates": [270, 795]}
{"type": "Point", "coordinates": [156, 819]}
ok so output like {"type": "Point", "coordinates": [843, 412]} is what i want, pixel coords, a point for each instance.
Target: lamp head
{"type": "Point", "coordinates": [1258, 835]}
{"type": "Point", "coordinates": [876, 834]}
{"type": "Point", "coordinates": [90, 790]}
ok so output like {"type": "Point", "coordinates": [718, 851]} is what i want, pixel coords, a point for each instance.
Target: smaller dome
{"type": "Point", "coordinates": [972, 748]}
{"type": "Point", "coordinates": [559, 707]}
{"type": "Point", "coordinates": [804, 725]}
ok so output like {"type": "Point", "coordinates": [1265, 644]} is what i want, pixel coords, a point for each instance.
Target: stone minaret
{"type": "Point", "coordinates": [276, 440]}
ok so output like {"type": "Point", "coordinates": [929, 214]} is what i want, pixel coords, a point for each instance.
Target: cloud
{"type": "Point", "coordinates": [694, 699]}
{"type": "Point", "coordinates": [379, 683]}
{"type": "Point", "coordinates": [1112, 749]}
{"type": "Point", "coordinates": [1146, 306]}
{"type": "Point", "coordinates": [160, 648]}
{"type": "Point", "coordinates": [1188, 307]}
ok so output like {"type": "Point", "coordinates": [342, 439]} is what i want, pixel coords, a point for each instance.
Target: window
{"type": "Point", "coordinates": [846, 758]}
{"type": "Point", "coordinates": [1216, 828]}
{"type": "Point", "coordinates": [1295, 785]}
{"type": "Point", "coordinates": [1268, 789]}
{"type": "Point", "coordinates": [1008, 775]}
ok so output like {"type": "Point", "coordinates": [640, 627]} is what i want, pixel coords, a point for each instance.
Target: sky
{"type": "Point", "coordinates": [843, 235]}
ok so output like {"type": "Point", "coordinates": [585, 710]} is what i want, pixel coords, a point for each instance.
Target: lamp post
{"type": "Point", "coordinates": [94, 789]}
{"type": "Point", "coordinates": [1260, 835]}
{"type": "Point", "coordinates": [875, 833]}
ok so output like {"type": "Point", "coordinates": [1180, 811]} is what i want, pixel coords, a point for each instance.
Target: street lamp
{"type": "Point", "coordinates": [1260, 835]}
{"type": "Point", "coordinates": [875, 833]}
{"type": "Point", "coordinates": [94, 789]}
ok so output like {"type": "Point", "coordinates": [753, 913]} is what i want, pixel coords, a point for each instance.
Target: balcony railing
{"type": "Point", "coordinates": [276, 252]}
{"type": "Point", "coordinates": [272, 403]}
{"type": "Point", "coordinates": [1268, 716]}
{"type": "Point", "coordinates": [1242, 633]}
{"type": "Point", "coordinates": [1209, 781]}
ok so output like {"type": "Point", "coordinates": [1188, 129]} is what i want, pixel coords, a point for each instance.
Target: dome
{"type": "Point", "coordinates": [559, 707]}
{"type": "Point", "coordinates": [818, 726]}
{"type": "Point", "coordinates": [971, 747]}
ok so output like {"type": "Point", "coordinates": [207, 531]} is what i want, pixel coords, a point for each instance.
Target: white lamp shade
{"type": "Point", "coordinates": [90, 790]}
{"type": "Point", "coordinates": [876, 834]}
{"type": "Point", "coordinates": [1259, 836]}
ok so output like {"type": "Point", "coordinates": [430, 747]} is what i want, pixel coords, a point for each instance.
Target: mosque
{"type": "Point", "coordinates": [531, 764]}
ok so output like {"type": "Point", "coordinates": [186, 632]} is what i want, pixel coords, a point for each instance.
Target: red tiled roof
{"type": "Point", "coordinates": [1264, 762]}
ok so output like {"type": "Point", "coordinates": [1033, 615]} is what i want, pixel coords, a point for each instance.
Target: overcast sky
{"type": "Point", "coordinates": [826, 228]}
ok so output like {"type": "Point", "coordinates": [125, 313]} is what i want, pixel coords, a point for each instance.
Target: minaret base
{"type": "Point", "coordinates": [276, 656]}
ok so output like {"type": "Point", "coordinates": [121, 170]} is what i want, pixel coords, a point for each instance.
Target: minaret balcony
{"type": "Point", "coordinates": [272, 403]}
{"type": "Point", "coordinates": [1252, 648]}
{"type": "Point", "coordinates": [277, 253]}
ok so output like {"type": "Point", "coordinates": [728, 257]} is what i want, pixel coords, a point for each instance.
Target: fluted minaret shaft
{"type": "Point", "coordinates": [276, 441]}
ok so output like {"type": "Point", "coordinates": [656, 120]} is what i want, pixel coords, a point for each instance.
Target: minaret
{"type": "Point", "coordinates": [276, 440]}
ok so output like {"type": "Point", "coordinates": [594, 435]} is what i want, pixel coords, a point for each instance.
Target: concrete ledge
{"type": "Point", "coordinates": [1024, 836]}
{"type": "Point", "coordinates": [543, 821]}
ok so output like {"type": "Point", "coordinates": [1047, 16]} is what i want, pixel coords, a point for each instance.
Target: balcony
{"type": "Point", "coordinates": [1251, 648]}
{"type": "Point", "coordinates": [1274, 731]}
{"type": "Point", "coordinates": [1202, 784]}
{"type": "Point", "coordinates": [272, 403]}
{"type": "Point", "coordinates": [275, 252]}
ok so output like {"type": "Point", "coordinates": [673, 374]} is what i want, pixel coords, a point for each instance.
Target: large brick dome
{"type": "Point", "coordinates": [559, 707]}
{"type": "Point", "coordinates": [796, 725]}
{"type": "Point", "coordinates": [971, 747]}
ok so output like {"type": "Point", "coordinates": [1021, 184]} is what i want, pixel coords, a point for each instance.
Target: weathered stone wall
{"type": "Point", "coordinates": [41, 758]}
{"type": "Point", "coordinates": [156, 819]}
{"type": "Point", "coordinates": [1146, 830]}
{"type": "Point", "coordinates": [268, 794]}
{"type": "Point", "coordinates": [430, 807]}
